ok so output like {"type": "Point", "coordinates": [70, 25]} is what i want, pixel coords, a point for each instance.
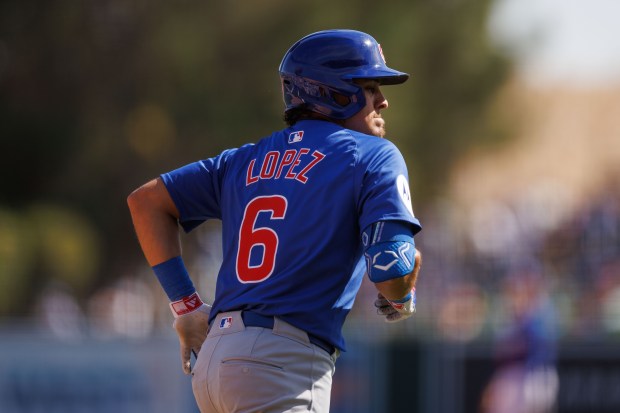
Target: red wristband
{"type": "Point", "coordinates": [186, 305]}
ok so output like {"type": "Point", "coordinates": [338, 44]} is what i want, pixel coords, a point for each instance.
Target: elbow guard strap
{"type": "Point", "coordinates": [389, 250]}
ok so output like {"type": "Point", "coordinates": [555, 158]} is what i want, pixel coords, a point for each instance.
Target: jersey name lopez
{"type": "Point", "coordinates": [290, 164]}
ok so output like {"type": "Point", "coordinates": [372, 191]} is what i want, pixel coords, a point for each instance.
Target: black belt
{"type": "Point", "coordinates": [252, 319]}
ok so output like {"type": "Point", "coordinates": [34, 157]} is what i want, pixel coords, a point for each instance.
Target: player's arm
{"type": "Point", "coordinates": [398, 288]}
{"type": "Point", "coordinates": [155, 219]}
{"type": "Point", "coordinates": [393, 264]}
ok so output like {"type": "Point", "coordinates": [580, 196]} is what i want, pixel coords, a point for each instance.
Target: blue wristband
{"type": "Point", "coordinates": [174, 278]}
{"type": "Point", "coordinates": [402, 300]}
{"type": "Point", "coordinates": [406, 298]}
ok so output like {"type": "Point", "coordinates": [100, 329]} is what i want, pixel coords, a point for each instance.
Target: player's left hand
{"type": "Point", "coordinates": [395, 311]}
{"type": "Point", "coordinates": [192, 328]}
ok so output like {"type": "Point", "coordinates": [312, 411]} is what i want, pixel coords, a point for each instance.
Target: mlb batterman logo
{"type": "Point", "coordinates": [296, 136]}
{"type": "Point", "coordinates": [226, 322]}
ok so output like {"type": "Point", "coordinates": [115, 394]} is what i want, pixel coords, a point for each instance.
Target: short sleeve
{"type": "Point", "coordinates": [384, 193]}
{"type": "Point", "coordinates": [196, 190]}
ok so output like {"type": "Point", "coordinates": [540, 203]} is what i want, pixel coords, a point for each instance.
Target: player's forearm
{"type": "Point", "coordinates": [158, 236]}
{"type": "Point", "coordinates": [398, 288]}
{"type": "Point", "coordinates": [154, 218]}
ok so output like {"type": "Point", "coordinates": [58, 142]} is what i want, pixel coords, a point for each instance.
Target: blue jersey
{"type": "Point", "coordinates": [293, 207]}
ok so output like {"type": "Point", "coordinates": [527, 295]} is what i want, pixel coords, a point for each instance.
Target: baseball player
{"type": "Point", "coordinates": [305, 212]}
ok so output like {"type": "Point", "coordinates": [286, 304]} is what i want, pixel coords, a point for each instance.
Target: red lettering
{"type": "Point", "coordinates": [269, 165]}
{"type": "Point", "coordinates": [274, 163]}
{"type": "Point", "coordinates": [287, 159]}
{"type": "Point", "coordinates": [290, 174]}
{"type": "Point", "coordinates": [301, 176]}
{"type": "Point", "coordinates": [249, 179]}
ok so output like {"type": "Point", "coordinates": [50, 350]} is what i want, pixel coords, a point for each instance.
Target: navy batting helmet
{"type": "Point", "coordinates": [327, 62]}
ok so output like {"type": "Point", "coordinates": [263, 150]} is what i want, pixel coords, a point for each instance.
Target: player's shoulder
{"type": "Point", "coordinates": [373, 147]}
{"type": "Point", "coordinates": [230, 154]}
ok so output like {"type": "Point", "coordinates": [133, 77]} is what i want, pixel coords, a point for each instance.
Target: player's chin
{"type": "Point", "coordinates": [379, 128]}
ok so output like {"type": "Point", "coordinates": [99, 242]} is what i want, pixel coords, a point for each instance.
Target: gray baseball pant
{"type": "Point", "coordinates": [260, 370]}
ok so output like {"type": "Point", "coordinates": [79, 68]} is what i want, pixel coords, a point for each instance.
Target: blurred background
{"type": "Point", "coordinates": [510, 125]}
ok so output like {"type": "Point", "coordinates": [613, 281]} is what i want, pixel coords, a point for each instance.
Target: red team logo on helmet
{"type": "Point", "coordinates": [382, 55]}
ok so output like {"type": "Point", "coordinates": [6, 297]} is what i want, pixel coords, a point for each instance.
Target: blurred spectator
{"type": "Point", "coordinates": [525, 379]}
{"type": "Point", "coordinates": [123, 310]}
{"type": "Point", "coordinates": [60, 313]}
{"type": "Point", "coordinates": [463, 313]}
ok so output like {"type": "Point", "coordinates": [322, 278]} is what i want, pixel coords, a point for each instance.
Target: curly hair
{"type": "Point", "coordinates": [294, 115]}
{"type": "Point", "coordinates": [301, 112]}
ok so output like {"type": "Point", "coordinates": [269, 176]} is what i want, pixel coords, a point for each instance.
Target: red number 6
{"type": "Point", "coordinates": [250, 237]}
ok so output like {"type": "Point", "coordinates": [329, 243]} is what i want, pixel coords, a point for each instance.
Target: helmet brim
{"type": "Point", "coordinates": [385, 76]}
